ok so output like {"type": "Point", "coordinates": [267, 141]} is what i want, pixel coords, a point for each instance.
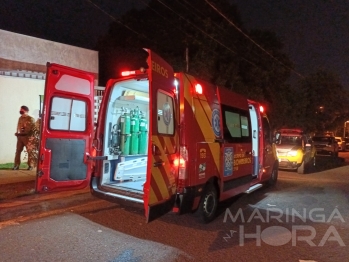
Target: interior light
{"type": "Point", "coordinates": [198, 89]}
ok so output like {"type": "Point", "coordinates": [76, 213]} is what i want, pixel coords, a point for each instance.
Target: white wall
{"type": "Point", "coordinates": [18, 91]}
{"type": "Point", "coordinates": [15, 92]}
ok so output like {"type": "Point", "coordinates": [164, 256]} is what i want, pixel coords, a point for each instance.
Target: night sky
{"type": "Point", "coordinates": [315, 32]}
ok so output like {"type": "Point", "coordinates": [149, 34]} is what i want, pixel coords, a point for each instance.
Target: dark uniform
{"type": "Point", "coordinates": [25, 127]}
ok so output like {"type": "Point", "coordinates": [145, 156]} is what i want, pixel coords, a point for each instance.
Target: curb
{"type": "Point", "coordinates": [23, 208]}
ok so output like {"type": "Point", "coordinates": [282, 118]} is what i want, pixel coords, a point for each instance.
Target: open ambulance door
{"type": "Point", "coordinates": [161, 184]}
{"type": "Point", "coordinates": [66, 130]}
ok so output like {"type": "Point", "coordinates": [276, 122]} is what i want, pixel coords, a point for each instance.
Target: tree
{"type": "Point", "coordinates": [323, 103]}
{"type": "Point", "coordinates": [218, 52]}
{"type": "Point", "coordinates": [221, 51]}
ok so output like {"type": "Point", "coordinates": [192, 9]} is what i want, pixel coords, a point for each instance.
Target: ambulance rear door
{"type": "Point", "coordinates": [66, 130]}
{"type": "Point", "coordinates": [161, 184]}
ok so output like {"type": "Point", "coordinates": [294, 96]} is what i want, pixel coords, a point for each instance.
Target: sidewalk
{"type": "Point", "coordinates": [19, 202]}
{"type": "Point", "coordinates": [9, 176]}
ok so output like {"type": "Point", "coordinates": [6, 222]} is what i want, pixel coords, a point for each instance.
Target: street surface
{"type": "Point", "coordinates": [304, 217]}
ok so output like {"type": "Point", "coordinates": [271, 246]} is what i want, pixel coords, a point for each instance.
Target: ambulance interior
{"type": "Point", "coordinates": [126, 139]}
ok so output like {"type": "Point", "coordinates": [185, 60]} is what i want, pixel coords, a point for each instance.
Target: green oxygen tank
{"type": "Point", "coordinates": [134, 132]}
{"type": "Point", "coordinates": [143, 136]}
{"type": "Point", "coordinates": [125, 127]}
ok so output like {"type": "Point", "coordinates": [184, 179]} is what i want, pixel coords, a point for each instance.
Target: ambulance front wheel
{"type": "Point", "coordinates": [274, 176]}
{"type": "Point", "coordinates": [208, 204]}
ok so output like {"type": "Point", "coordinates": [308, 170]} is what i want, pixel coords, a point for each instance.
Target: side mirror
{"type": "Point", "coordinates": [277, 138]}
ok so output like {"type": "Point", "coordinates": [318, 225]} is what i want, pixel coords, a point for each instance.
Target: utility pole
{"type": "Point", "coordinates": [187, 59]}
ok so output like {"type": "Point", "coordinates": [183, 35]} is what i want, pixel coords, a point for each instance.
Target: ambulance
{"type": "Point", "coordinates": [163, 141]}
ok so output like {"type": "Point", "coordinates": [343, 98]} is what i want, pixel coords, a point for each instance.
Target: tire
{"type": "Point", "coordinates": [314, 160]}
{"type": "Point", "coordinates": [301, 168]}
{"type": "Point", "coordinates": [274, 176]}
{"type": "Point", "coordinates": [208, 204]}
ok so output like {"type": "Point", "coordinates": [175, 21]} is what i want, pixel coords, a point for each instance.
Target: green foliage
{"type": "Point", "coordinates": [321, 102]}
{"type": "Point", "coordinates": [11, 165]}
{"type": "Point", "coordinates": [252, 63]}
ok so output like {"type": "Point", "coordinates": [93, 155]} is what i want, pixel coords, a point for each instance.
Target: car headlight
{"type": "Point", "coordinates": [292, 153]}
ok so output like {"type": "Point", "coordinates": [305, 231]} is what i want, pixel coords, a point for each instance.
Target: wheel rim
{"type": "Point", "coordinates": [210, 203]}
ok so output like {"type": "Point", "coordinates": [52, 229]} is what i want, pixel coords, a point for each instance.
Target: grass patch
{"type": "Point", "coordinates": [10, 166]}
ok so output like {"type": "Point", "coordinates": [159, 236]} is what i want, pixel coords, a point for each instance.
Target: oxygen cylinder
{"type": "Point", "coordinates": [115, 136]}
{"type": "Point", "coordinates": [134, 132]}
{"type": "Point", "coordinates": [143, 136]}
{"type": "Point", "coordinates": [125, 127]}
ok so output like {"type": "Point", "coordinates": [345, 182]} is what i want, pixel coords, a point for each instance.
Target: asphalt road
{"type": "Point", "coordinates": [304, 217]}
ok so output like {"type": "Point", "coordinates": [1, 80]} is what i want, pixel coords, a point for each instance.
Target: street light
{"type": "Point", "coordinates": [345, 127]}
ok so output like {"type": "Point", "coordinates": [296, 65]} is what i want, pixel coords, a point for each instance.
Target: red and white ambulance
{"type": "Point", "coordinates": [164, 141]}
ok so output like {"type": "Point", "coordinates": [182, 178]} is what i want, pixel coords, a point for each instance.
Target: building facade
{"type": "Point", "coordinates": [23, 62]}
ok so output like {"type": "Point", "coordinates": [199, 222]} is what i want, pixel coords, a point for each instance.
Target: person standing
{"type": "Point", "coordinates": [25, 127]}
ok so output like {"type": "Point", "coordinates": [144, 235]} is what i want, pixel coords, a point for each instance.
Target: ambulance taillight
{"type": "Point", "coordinates": [181, 163]}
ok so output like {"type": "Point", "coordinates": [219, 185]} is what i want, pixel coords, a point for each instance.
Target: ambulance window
{"type": "Point", "coordinates": [165, 121]}
{"type": "Point", "coordinates": [236, 125]}
{"type": "Point", "coordinates": [67, 114]}
{"type": "Point", "coordinates": [266, 130]}
{"type": "Point", "coordinates": [233, 124]}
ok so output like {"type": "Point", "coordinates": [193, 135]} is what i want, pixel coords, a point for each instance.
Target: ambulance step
{"type": "Point", "coordinates": [253, 188]}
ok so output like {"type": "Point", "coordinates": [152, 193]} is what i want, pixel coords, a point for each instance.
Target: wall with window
{"type": "Point", "coordinates": [22, 79]}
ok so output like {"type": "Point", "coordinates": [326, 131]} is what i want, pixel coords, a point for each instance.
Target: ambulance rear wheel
{"type": "Point", "coordinates": [274, 176]}
{"type": "Point", "coordinates": [208, 204]}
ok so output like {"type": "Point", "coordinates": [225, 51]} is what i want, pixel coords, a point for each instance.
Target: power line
{"type": "Point", "coordinates": [220, 28]}
{"type": "Point", "coordinates": [254, 42]}
{"type": "Point", "coordinates": [118, 21]}
{"type": "Point", "coordinates": [196, 27]}
{"type": "Point", "coordinates": [220, 43]}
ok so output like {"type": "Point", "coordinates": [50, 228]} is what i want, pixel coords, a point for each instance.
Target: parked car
{"type": "Point", "coordinates": [341, 143]}
{"type": "Point", "coordinates": [295, 151]}
{"type": "Point", "coordinates": [346, 143]}
{"type": "Point", "coordinates": [325, 145]}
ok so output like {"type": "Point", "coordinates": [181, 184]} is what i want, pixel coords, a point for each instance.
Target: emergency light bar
{"type": "Point", "coordinates": [127, 73]}
{"type": "Point", "coordinates": [134, 72]}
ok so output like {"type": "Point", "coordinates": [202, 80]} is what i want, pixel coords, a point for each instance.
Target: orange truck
{"type": "Point", "coordinates": [164, 141]}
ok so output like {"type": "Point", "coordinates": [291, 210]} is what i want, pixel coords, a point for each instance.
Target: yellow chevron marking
{"type": "Point", "coordinates": [206, 128]}
{"type": "Point", "coordinates": [152, 197]}
{"type": "Point", "coordinates": [157, 175]}
{"type": "Point", "coordinates": [169, 145]}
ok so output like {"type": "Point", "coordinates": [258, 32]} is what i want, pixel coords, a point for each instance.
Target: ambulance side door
{"type": "Point", "coordinates": [269, 156]}
{"type": "Point", "coordinates": [237, 151]}
{"type": "Point", "coordinates": [161, 184]}
{"type": "Point", "coordinates": [66, 130]}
